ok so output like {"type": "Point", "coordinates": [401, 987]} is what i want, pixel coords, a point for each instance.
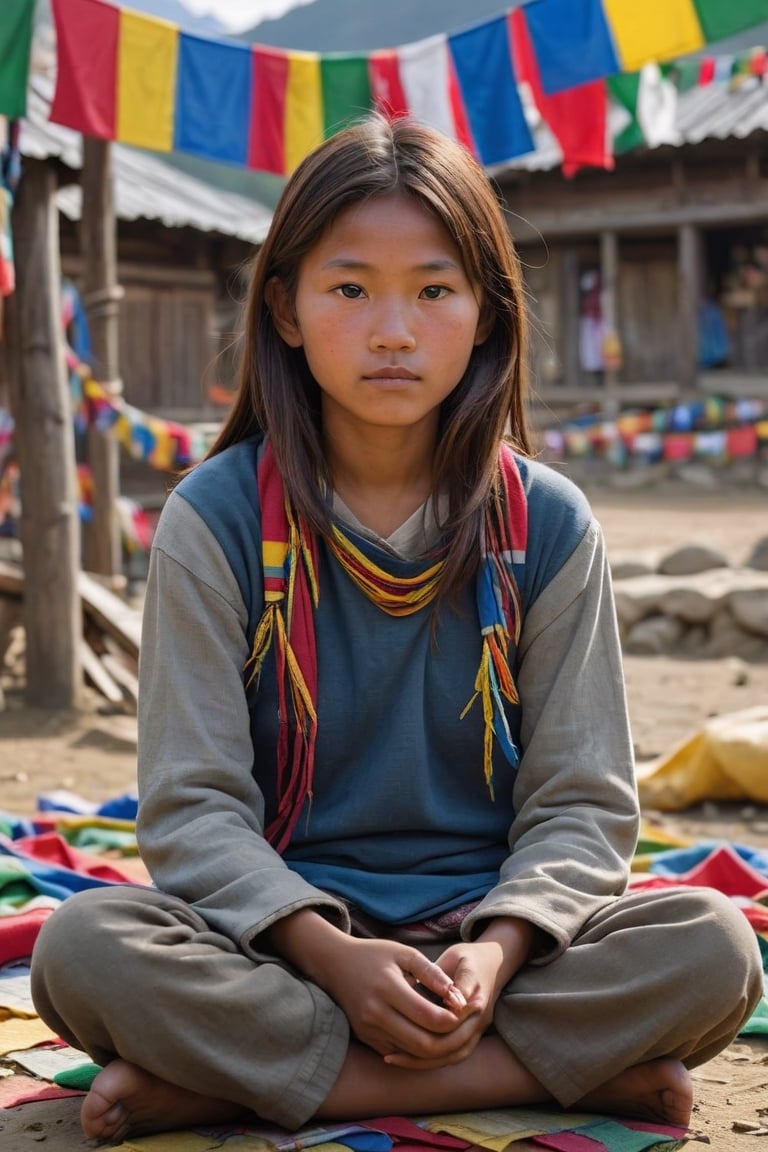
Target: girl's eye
{"type": "Point", "coordinates": [434, 292]}
{"type": "Point", "coordinates": [350, 291]}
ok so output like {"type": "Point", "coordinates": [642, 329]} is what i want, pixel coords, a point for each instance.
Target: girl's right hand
{"type": "Point", "coordinates": [374, 983]}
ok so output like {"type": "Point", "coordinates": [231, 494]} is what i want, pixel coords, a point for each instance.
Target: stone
{"type": "Point", "coordinates": [692, 558]}
{"type": "Point", "coordinates": [738, 672]}
{"type": "Point", "coordinates": [638, 596]}
{"type": "Point", "coordinates": [749, 607]}
{"type": "Point", "coordinates": [758, 557]}
{"type": "Point", "coordinates": [654, 636]}
{"type": "Point", "coordinates": [626, 565]}
{"type": "Point", "coordinates": [694, 640]}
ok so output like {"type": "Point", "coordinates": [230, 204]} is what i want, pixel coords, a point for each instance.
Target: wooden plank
{"type": "Point", "coordinates": [122, 676]}
{"type": "Point", "coordinates": [99, 676]}
{"type": "Point", "coordinates": [11, 579]}
{"type": "Point", "coordinates": [111, 613]}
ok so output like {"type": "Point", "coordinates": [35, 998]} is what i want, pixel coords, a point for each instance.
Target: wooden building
{"type": "Point", "coordinates": [670, 250]}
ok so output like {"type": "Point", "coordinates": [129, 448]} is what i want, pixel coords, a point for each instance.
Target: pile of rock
{"type": "Point", "coordinates": [693, 602]}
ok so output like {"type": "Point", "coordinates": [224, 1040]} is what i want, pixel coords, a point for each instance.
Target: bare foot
{"type": "Point", "coordinates": [660, 1090]}
{"type": "Point", "coordinates": [124, 1099]}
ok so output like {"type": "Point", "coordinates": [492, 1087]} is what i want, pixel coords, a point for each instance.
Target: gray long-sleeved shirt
{"type": "Point", "coordinates": [401, 823]}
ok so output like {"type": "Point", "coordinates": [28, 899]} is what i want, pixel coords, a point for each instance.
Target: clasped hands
{"type": "Point", "coordinates": [376, 984]}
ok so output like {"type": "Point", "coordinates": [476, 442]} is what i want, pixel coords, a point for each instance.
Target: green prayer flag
{"type": "Point", "coordinates": [346, 91]}
{"type": "Point", "coordinates": [624, 88]}
{"type": "Point", "coordinates": [16, 18]}
{"type": "Point", "coordinates": [722, 18]}
{"type": "Point", "coordinates": [649, 97]}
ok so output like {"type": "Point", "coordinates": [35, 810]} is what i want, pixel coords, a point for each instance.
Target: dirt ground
{"type": "Point", "coordinates": [94, 755]}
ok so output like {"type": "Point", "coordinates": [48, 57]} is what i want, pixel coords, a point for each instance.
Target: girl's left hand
{"type": "Point", "coordinates": [480, 970]}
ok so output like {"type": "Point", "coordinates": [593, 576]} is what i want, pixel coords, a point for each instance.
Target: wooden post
{"type": "Point", "coordinates": [40, 403]}
{"type": "Point", "coordinates": [101, 297]}
{"type": "Point", "coordinates": [569, 327]}
{"type": "Point", "coordinates": [689, 294]}
{"type": "Point", "coordinates": [609, 273]}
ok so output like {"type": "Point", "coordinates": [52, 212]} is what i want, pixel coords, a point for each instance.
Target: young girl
{"type": "Point", "coordinates": [385, 772]}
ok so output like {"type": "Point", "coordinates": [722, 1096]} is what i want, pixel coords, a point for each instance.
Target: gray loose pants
{"type": "Point", "coordinates": [136, 974]}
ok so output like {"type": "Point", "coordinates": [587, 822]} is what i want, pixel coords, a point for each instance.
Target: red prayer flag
{"type": "Point", "coordinates": [741, 441]}
{"type": "Point", "coordinates": [266, 147]}
{"type": "Point", "coordinates": [678, 446]}
{"type": "Point", "coordinates": [578, 117]}
{"type": "Point", "coordinates": [87, 42]}
{"type": "Point", "coordinates": [386, 86]}
{"type": "Point", "coordinates": [707, 70]}
{"type": "Point", "coordinates": [758, 62]}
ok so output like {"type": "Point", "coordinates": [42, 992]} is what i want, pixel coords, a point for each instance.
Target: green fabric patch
{"type": "Point", "coordinates": [79, 1078]}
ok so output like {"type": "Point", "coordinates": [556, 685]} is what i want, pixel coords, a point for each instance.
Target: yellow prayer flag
{"type": "Point", "coordinates": [303, 115]}
{"type": "Point", "coordinates": [146, 81]}
{"type": "Point", "coordinates": [654, 30]}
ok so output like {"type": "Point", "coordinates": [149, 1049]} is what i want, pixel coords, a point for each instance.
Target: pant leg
{"type": "Point", "coordinates": [134, 973]}
{"type": "Point", "coordinates": [665, 972]}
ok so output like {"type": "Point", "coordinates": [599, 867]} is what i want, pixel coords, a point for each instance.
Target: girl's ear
{"type": "Point", "coordinates": [280, 305]}
{"type": "Point", "coordinates": [484, 324]}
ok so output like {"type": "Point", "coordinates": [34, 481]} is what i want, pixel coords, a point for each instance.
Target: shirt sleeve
{"type": "Point", "coordinates": [577, 815]}
{"type": "Point", "coordinates": [200, 822]}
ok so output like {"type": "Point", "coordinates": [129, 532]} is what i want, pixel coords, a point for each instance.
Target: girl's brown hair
{"type": "Point", "coordinates": [278, 395]}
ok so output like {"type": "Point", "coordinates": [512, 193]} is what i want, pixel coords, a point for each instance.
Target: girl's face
{"type": "Point", "coordinates": [386, 315]}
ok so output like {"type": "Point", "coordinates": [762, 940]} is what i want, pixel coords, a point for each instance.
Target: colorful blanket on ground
{"type": "Point", "coordinates": [70, 845]}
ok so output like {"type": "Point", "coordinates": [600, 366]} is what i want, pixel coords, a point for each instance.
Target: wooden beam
{"type": "Point", "coordinates": [591, 219]}
{"type": "Point", "coordinates": [132, 273]}
{"type": "Point", "coordinates": [40, 403]}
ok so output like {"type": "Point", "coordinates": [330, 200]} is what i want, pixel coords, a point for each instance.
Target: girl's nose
{"type": "Point", "coordinates": [391, 328]}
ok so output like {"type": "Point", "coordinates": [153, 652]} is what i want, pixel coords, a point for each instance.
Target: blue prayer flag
{"type": "Point", "coordinates": [486, 76]}
{"type": "Point", "coordinates": [213, 99]}
{"type": "Point", "coordinates": [572, 42]}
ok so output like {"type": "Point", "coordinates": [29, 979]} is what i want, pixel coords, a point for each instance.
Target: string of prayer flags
{"type": "Point", "coordinates": [151, 85]}
{"type": "Point", "coordinates": [130, 77]}
{"type": "Point", "coordinates": [576, 44]}
{"type": "Point", "coordinates": [713, 429]}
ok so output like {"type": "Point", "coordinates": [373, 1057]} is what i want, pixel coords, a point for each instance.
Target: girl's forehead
{"type": "Point", "coordinates": [393, 217]}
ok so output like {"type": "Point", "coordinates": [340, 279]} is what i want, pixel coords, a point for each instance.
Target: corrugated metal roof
{"type": "Point", "coordinates": [714, 111]}
{"type": "Point", "coordinates": [144, 186]}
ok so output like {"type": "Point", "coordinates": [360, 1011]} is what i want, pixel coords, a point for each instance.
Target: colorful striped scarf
{"type": "Point", "coordinates": [291, 594]}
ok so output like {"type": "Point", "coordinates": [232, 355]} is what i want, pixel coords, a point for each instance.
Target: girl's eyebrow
{"type": "Point", "coordinates": [442, 265]}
